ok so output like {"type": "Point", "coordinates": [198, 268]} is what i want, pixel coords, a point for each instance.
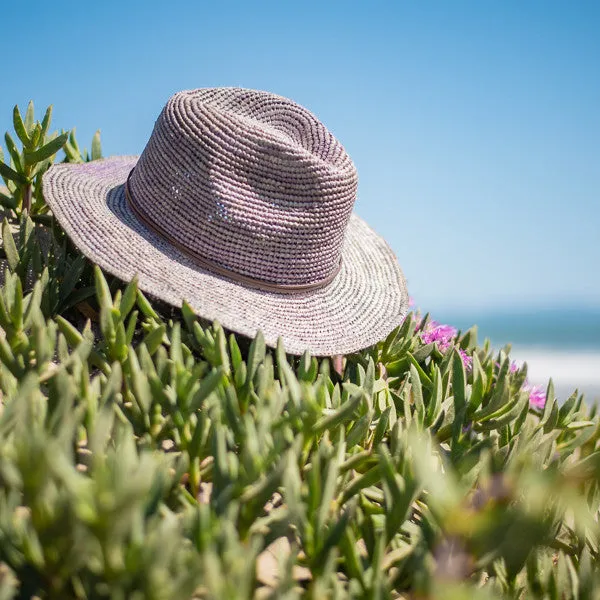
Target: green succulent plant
{"type": "Point", "coordinates": [23, 170]}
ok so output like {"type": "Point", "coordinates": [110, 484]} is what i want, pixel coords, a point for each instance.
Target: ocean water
{"type": "Point", "coordinates": [558, 343]}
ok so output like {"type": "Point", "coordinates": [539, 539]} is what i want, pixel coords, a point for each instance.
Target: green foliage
{"type": "Point", "coordinates": [24, 167]}
{"type": "Point", "coordinates": [34, 254]}
{"type": "Point", "coordinates": [145, 455]}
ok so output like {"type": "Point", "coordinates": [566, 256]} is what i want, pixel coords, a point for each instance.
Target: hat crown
{"type": "Point", "coordinates": [251, 182]}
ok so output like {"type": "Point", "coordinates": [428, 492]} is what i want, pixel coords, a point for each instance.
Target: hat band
{"type": "Point", "coordinates": [205, 263]}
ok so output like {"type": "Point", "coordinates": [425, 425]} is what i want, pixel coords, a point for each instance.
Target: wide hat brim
{"type": "Point", "coordinates": [365, 301]}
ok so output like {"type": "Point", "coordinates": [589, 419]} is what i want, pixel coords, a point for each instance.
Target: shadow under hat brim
{"type": "Point", "coordinates": [366, 300]}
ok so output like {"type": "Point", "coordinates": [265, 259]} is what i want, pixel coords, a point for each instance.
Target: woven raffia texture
{"type": "Point", "coordinates": [250, 181]}
{"type": "Point", "coordinates": [224, 206]}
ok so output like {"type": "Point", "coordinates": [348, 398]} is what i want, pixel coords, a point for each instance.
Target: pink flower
{"type": "Point", "coordinates": [537, 395]}
{"type": "Point", "coordinates": [440, 334]}
{"type": "Point", "coordinates": [443, 336]}
{"type": "Point", "coordinates": [513, 368]}
{"type": "Point", "coordinates": [467, 360]}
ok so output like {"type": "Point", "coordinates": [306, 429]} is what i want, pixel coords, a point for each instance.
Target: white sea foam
{"type": "Point", "coordinates": [569, 370]}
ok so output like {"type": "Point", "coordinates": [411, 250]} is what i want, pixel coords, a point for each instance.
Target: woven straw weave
{"type": "Point", "coordinates": [252, 182]}
{"type": "Point", "coordinates": [255, 185]}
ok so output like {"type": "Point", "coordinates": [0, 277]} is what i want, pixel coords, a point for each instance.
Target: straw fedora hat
{"type": "Point", "coordinates": [241, 204]}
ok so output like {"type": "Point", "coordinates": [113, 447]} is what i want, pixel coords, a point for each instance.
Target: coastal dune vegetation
{"type": "Point", "coordinates": [145, 453]}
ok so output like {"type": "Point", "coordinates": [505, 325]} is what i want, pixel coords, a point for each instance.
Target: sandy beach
{"type": "Point", "coordinates": [569, 370]}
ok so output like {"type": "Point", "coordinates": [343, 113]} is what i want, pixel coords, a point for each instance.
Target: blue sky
{"type": "Point", "coordinates": [475, 126]}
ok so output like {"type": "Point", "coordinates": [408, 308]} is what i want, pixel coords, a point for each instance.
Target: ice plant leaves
{"type": "Point", "coordinates": [96, 146]}
{"type": "Point", "coordinates": [28, 163]}
{"type": "Point", "coordinates": [12, 175]}
{"type": "Point", "coordinates": [10, 248]}
{"type": "Point", "coordinates": [46, 151]}
{"type": "Point", "coordinates": [20, 128]}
